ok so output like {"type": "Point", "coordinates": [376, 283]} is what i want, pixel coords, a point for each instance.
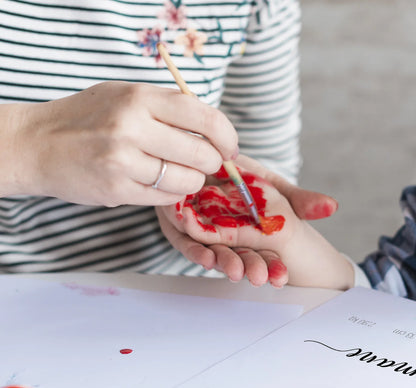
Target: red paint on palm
{"type": "Point", "coordinates": [212, 207]}
{"type": "Point", "coordinates": [179, 215]}
{"type": "Point", "coordinates": [221, 173]}
{"type": "Point", "coordinates": [189, 203]}
{"type": "Point", "coordinates": [272, 224]}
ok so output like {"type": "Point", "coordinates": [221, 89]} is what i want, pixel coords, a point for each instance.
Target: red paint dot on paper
{"type": "Point", "coordinates": [126, 351]}
{"type": "Point", "coordinates": [15, 386]}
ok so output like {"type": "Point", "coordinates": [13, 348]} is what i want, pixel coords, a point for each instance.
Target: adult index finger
{"type": "Point", "coordinates": [190, 114]}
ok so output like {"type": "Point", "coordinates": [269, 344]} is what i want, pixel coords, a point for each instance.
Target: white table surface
{"type": "Point", "coordinates": [219, 288]}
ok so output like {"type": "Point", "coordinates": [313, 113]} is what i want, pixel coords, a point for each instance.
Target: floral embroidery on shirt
{"type": "Point", "coordinates": [173, 20]}
{"type": "Point", "coordinates": [193, 41]}
{"type": "Point", "coordinates": [174, 13]}
{"type": "Point", "coordinates": [148, 40]}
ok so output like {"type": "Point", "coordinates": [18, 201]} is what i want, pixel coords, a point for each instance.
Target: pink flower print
{"type": "Point", "coordinates": [193, 42]}
{"type": "Point", "coordinates": [148, 40]}
{"type": "Point", "coordinates": [175, 16]}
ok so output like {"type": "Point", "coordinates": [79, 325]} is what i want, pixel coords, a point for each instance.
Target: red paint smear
{"type": "Point", "coordinates": [227, 221]}
{"type": "Point", "coordinates": [179, 215]}
{"type": "Point", "coordinates": [276, 269]}
{"type": "Point", "coordinates": [249, 178]}
{"type": "Point", "coordinates": [221, 173]}
{"type": "Point", "coordinates": [212, 207]}
{"type": "Point", "coordinates": [320, 211]}
{"type": "Point", "coordinates": [126, 351]}
{"type": "Point", "coordinates": [272, 224]}
{"type": "Point", "coordinates": [205, 227]}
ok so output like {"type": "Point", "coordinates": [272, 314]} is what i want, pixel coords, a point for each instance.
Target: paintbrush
{"type": "Point", "coordinates": [228, 165]}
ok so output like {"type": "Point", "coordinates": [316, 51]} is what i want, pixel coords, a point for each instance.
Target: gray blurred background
{"type": "Point", "coordinates": [358, 79]}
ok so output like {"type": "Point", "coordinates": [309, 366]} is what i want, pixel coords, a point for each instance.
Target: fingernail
{"type": "Point", "coordinates": [276, 269]}
{"type": "Point", "coordinates": [235, 154]}
{"type": "Point", "coordinates": [254, 284]}
{"type": "Point", "coordinates": [276, 286]}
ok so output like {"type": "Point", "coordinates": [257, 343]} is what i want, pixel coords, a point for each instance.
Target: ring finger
{"type": "Point", "coordinates": [181, 147]}
{"type": "Point", "coordinates": [176, 179]}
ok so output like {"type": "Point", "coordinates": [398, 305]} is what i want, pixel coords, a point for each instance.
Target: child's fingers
{"type": "Point", "coordinates": [228, 262]}
{"type": "Point", "coordinates": [277, 271]}
{"type": "Point", "coordinates": [308, 205]}
{"type": "Point", "coordinates": [254, 265]}
{"type": "Point", "coordinates": [191, 249]}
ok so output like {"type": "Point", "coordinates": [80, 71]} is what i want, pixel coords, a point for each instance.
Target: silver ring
{"type": "Point", "coordinates": [163, 168]}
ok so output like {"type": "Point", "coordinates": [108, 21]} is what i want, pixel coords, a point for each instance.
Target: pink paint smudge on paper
{"type": "Point", "coordinates": [91, 290]}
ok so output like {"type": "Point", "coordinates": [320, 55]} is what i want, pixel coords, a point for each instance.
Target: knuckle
{"type": "Point", "coordinates": [205, 157]}
{"type": "Point", "coordinates": [111, 194]}
{"type": "Point", "coordinates": [212, 120]}
{"type": "Point", "coordinates": [215, 164]}
{"type": "Point", "coordinates": [198, 182]}
{"type": "Point", "coordinates": [132, 99]}
{"type": "Point", "coordinates": [192, 182]}
{"type": "Point", "coordinates": [114, 159]}
{"type": "Point", "coordinates": [220, 130]}
{"type": "Point", "coordinates": [137, 92]}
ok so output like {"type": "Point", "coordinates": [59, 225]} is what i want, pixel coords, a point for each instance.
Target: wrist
{"type": "Point", "coordinates": [313, 262]}
{"type": "Point", "coordinates": [16, 150]}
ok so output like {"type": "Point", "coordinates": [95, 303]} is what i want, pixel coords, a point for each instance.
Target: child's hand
{"type": "Point", "coordinates": [105, 145]}
{"type": "Point", "coordinates": [252, 263]}
{"type": "Point", "coordinates": [309, 260]}
{"type": "Point", "coordinates": [216, 217]}
{"type": "Point", "coordinates": [258, 266]}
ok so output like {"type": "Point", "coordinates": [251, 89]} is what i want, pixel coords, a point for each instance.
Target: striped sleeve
{"type": "Point", "coordinates": [392, 268]}
{"type": "Point", "coordinates": [261, 95]}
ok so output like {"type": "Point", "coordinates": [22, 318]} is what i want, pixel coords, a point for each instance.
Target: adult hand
{"type": "Point", "coordinates": [105, 145]}
{"type": "Point", "coordinates": [260, 265]}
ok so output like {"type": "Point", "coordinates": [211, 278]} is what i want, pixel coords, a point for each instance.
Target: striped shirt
{"type": "Point", "coordinates": [246, 65]}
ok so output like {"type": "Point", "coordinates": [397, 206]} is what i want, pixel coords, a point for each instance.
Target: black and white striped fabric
{"type": "Point", "coordinates": [247, 66]}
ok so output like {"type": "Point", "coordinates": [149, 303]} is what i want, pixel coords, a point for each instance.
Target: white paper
{"type": "Point", "coordinates": [362, 338]}
{"type": "Point", "coordinates": [66, 335]}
